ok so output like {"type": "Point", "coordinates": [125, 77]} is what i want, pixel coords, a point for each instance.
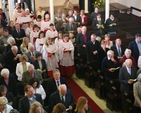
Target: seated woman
{"type": "Point", "coordinates": [24, 45]}
{"type": "Point", "coordinates": [36, 107]}
{"type": "Point", "coordinates": [82, 106]}
{"type": "Point", "coordinates": [109, 43]}
{"type": "Point", "coordinates": [8, 95]}
{"type": "Point", "coordinates": [83, 18]}
{"type": "Point", "coordinates": [38, 88]}
{"type": "Point", "coordinates": [11, 42]}
{"type": "Point", "coordinates": [40, 64]}
{"type": "Point", "coordinates": [127, 55]}
{"type": "Point", "coordinates": [9, 81]}
{"type": "Point", "coordinates": [59, 108]}
{"type": "Point", "coordinates": [137, 93]}
{"type": "Point", "coordinates": [22, 67]}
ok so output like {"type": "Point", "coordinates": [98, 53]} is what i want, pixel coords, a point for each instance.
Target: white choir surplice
{"type": "Point", "coordinates": [45, 25]}
{"type": "Point", "coordinates": [37, 22]}
{"type": "Point", "coordinates": [24, 19]}
{"type": "Point", "coordinates": [52, 61]}
{"type": "Point", "coordinates": [39, 44]}
{"type": "Point", "coordinates": [16, 15]}
{"type": "Point", "coordinates": [34, 34]}
{"type": "Point", "coordinates": [28, 31]}
{"type": "Point", "coordinates": [66, 58]}
{"type": "Point", "coordinates": [51, 33]}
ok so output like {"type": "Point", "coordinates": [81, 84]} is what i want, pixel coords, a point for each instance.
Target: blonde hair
{"type": "Point", "coordinates": [80, 104]}
{"type": "Point", "coordinates": [3, 100]}
{"type": "Point", "coordinates": [24, 40]}
{"type": "Point", "coordinates": [23, 57]}
{"type": "Point", "coordinates": [34, 106]}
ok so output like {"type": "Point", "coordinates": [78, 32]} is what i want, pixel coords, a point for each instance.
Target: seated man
{"type": "Point", "coordinates": [26, 101]}
{"type": "Point", "coordinates": [31, 73]}
{"type": "Point", "coordinates": [62, 95]}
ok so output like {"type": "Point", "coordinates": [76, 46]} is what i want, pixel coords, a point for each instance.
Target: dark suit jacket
{"type": "Point", "coordinates": [28, 54]}
{"type": "Point", "coordinates": [107, 64]}
{"type": "Point", "coordinates": [51, 86]}
{"type": "Point", "coordinates": [77, 18]}
{"type": "Point", "coordinates": [96, 29]}
{"type": "Point", "coordinates": [10, 29]}
{"type": "Point", "coordinates": [68, 28]}
{"type": "Point", "coordinates": [12, 85]}
{"type": "Point", "coordinates": [11, 62]}
{"type": "Point", "coordinates": [134, 48]}
{"type": "Point", "coordinates": [60, 25]}
{"type": "Point", "coordinates": [55, 99]}
{"type": "Point", "coordinates": [80, 42]}
{"type": "Point", "coordinates": [90, 48]}
{"type": "Point", "coordinates": [124, 76]}
{"type": "Point", "coordinates": [44, 67]}
{"type": "Point", "coordinates": [114, 48]}
{"type": "Point", "coordinates": [24, 103]}
{"type": "Point", "coordinates": [15, 34]}
{"type": "Point", "coordinates": [3, 23]}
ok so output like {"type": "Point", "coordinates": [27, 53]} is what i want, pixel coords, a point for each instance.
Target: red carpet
{"type": "Point", "coordinates": [77, 92]}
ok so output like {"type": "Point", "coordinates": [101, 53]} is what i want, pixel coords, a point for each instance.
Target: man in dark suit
{"type": "Point", "coordinates": [26, 101]}
{"type": "Point", "coordinates": [40, 65]}
{"type": "Point", "coordinates": [76, 17]}
{"type": "Point", "coordinates": [127, 73]}
{"type": "Point", "coordinates": [70, 26]}
{"type": "Point", "coordinates": [54, 82]}
{"type": "Point", "coordinates": [62, 95]}
{"type": "Point", "coordinates": [135, 46]}
{"type": "Point", "coordinates": [98, 25]}
{"type": "Point", "coordinates": [94, 14]}
{"type": "Point", "coordinates": [92, 47]}
{"type": "Point", "coordinates": [31, 53]}
{"type": "Point", "coordinates": [82, 39]}
{"type": "Point", "coordinates": [9, 81]}
{"type": "Point", "coordinates": [118, 48]}
{"type": "Point", "coordinates": [18, 34]}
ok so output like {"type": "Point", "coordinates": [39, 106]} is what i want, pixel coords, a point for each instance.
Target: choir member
{"type": "Point", "coordinates": [34, 34]}
{"type": "Point", "coordinates": [66, 56]}
{"type": "Point", "coordinates": [45, 24]}
{"type": "Point", "coordinates": [40, 41]}
{"type": "Point", "coordinates": [38, 21]}
{"type": "Point", "coordinates": [29, 29]}
{"type": "Point", "coordinates": [50, 55]}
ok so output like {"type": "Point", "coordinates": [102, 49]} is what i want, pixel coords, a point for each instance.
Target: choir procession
{"type": "Point", "coordinates": [38, 54]}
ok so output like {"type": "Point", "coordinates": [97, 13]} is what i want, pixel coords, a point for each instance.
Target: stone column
{"type": "Point", "coordinates": [0, 3]}
{"type": "Point", "coordinates": [10, 10]}
{"type": "Point", "coordinates": [86, 6]}
{"type": "Point", "coordinates": [52, 10]}
{"type": "Point", "coordinates": [107, 9]}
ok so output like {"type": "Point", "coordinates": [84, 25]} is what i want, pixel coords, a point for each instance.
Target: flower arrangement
{"type": "Point", "coordinates": [99, 3]}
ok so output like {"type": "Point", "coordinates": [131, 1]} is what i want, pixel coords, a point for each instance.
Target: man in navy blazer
{"type": "Point", "coordinates": [118, 48]}
{"type": "Point", "coordinates": [62, 95]}
{"type": "Point", "coordinates": [135, 46]}
{"type": "Point", "coordinates": [92, 48]}
{"type": "Point", "coordinates": [82, 39]}
{"type": "Point", "coordinates": [18, 34]}
{"type": "Point", "coordinates": [26, 101]}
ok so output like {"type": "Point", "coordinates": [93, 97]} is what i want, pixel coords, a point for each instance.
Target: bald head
{"type": "Point", "coordinates": [14, 49]}
{"type": "Point", "coordinates": [128, 63]}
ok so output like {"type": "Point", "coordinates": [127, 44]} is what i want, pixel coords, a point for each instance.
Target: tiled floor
{"type": "Point", "coordinates": [101, 103]}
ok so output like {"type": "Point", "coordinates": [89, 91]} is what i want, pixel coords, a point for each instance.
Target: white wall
{"type": "Point", "coordinates": [133, 3]}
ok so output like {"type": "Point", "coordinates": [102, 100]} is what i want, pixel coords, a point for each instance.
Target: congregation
{"type": "Point", "coordinates": [37, 54]}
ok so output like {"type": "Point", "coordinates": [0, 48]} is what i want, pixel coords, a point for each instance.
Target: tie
{"type": "Point", "coordinates": [32, 54]}
{"type": "Point", "coordinates": [71, 27]}
{"type": "Point", "coordinates": [119, 52]}
{"type": "Point", "coordinates": [63, 100]}
{"type": "Point", "coordinates": [58, 83]}
{"type": "Point", "coordinates": [129, 71]}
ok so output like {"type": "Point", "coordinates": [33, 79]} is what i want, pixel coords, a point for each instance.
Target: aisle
{"type": "Point", "coordinates": [77, 92]}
